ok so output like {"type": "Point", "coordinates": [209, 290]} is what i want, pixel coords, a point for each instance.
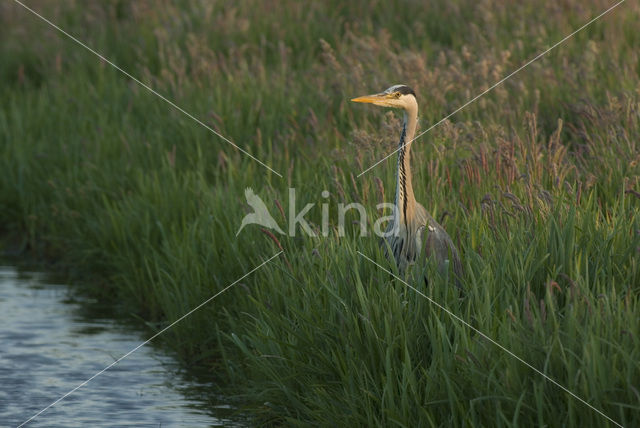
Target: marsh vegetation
{"type": "Point", "coordinates": [537, 182]}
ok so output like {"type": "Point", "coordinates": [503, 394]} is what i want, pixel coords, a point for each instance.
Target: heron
{"type": "Point", "coordinates": [412, 235]}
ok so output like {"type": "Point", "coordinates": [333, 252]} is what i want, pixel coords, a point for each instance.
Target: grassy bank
{"type": "Point", "coordinates": [539, 180]}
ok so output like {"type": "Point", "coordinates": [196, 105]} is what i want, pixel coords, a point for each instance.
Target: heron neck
{"type": "Point", "coordinates": [405, 200]}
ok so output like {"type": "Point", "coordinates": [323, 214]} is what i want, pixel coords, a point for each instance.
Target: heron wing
{"type": "Point", "coordinates": [438, 245]}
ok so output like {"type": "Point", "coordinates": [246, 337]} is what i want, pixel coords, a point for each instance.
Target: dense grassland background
{"type": "Point", "coordinates": [539, 178]}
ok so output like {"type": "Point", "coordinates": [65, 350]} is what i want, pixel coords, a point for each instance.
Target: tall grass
{"type": "Point", "coordinates": [537, 182]}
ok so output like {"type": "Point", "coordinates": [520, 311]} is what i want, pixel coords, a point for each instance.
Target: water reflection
{"type": "Point", "coordinates": [47, 348]}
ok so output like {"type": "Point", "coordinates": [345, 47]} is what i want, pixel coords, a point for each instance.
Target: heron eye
{"type": "Point", "coordinates": [397, 95]}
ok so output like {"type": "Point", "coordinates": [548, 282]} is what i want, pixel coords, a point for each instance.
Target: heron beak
{"type": "Point", "coordinates": [372, 99]}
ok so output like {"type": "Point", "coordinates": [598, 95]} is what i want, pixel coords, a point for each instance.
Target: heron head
{"type": "Point", "coordinates": [397, 96]}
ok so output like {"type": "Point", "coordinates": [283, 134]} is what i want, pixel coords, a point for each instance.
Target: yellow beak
{"type": "Point", "coordinates": [369, 98]}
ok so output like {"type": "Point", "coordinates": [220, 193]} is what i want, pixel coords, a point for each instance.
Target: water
{"type": "Point", "coordinates": [48, 346]}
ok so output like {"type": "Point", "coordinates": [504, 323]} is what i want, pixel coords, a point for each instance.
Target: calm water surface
{"type": "Point", "coordinates": [48, 345]}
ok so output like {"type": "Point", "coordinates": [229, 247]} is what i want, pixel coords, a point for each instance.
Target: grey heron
{"type": "Point", "coordinates": [413, 235]}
